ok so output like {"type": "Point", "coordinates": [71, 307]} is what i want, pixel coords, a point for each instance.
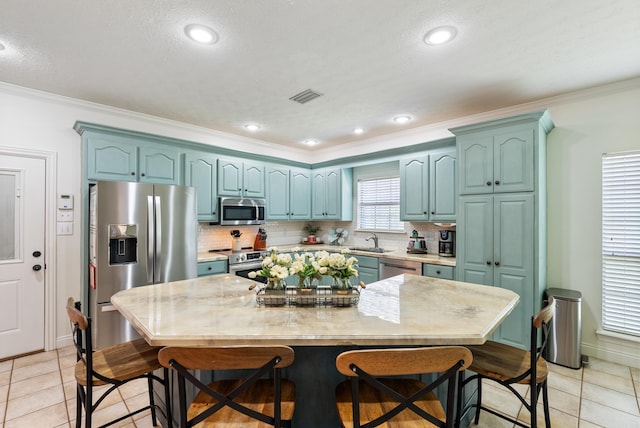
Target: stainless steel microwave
{"type": "Point", "coordinates": [239, 211]}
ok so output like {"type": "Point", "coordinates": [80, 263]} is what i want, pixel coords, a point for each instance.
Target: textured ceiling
{"type": "Point", "coordinates": [366, 57]}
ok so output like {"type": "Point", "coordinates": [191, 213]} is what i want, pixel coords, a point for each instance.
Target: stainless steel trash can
{"type": "Point", "coordinates": [565, 334]}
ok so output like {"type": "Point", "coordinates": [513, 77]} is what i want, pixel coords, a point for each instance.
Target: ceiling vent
{"type": "Point", "coordinates": [305, 96]}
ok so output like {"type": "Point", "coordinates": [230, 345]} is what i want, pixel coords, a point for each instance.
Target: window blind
{"type": "Point", "coordinates": [379, 204]}
{"type": "Point", "coordinates": [621, 243]}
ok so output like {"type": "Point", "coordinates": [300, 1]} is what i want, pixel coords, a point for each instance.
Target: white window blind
{"type": "Point", "coordinates": [621, 243]}
{"type": "Point", "coordinates": [379, 204]}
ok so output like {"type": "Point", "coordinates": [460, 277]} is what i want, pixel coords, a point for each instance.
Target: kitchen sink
{"type": "Point", "coordinates": [369, 249]}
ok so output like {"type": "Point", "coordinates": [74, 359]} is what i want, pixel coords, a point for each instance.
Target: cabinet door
{"type": "Point", "coordinates": [513, 161]}
{"type": "Point", "coordinates": [333, 194]}
{"type": "Point", "coordinates": [253, 180]}
{"type": "Point", "coordinates": [277, 193]}
{"type": "Point", "coordinates": [160, 165]}
{"type": "Point", "coordinates": [442, 186]}
{"type": "Point", "coordinates": [475, 240]}
{"type": "Point", "coordinates": [111, 158]}
{"type": "Point", "coordinates": [438, 271]}
{"type": "Point", "coordinates": [200, 172]}
{"type": "Point", "coordinates": [414, 188]}
{"type": "Point", "coordinates": [367, 275]}
{"type": "Point", "coordinates": [229, 177]}
{"type": "Point", "coordinates": [300, 195]}
{"type": "Point", "coordinates": [514, 264]}
{"type": "Point", "coordinates": [475, 156]}
{"type": "Point", "coordinates": [318, 195]}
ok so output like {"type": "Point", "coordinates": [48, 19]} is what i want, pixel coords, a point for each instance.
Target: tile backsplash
{"type": "Point", "coordinates": [281, 233]}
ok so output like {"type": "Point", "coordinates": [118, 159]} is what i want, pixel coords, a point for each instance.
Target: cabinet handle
{"type": "Point", "coordinates": [488, 183]}
{"type": "Point", "coordinates": [433, 212]}
{"type": "Point", "coordinates": [133, 173]}
{"type": "Point", "coordinates": [142, 174]}
{"type": "Point", "coordinates": [497, 182]}
{"type": "Point", "coordinates": [488, 262]}
{"type": "Point", "coordinates": [438, 272]}
{"type": "Point", "coordinates": [497, 263]}
{"type": "Point", "coordinates": [209, 268]}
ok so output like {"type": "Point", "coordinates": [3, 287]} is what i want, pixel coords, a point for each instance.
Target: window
{"type": "Point", "coordinates": [621, 243]}
{"type": "Point", "coordinates": [379, 204]}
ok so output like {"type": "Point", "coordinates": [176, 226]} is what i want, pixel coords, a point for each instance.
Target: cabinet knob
{"type": "Point", "coordinates": [488, 183]}
{"type": "Point", "coordinates": [438, 272]}
{"type": "Point", "coordinates": [497, 263]}
{"type": "Point", "coordinates": [133, 173]}
{"type": "Point", "coordinates": [209, 268]}
{"type": "Point", "coordinates": [433, 212]}
{"type": "Point", "coordinates": [488, 262]}
{"type": "Point", "coordinates": [497, 182]}
{"type": "Point", "coordinates": [142, 174]}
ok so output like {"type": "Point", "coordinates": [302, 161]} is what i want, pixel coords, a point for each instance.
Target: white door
{"type": "Point", "coordinates": [22, 261]}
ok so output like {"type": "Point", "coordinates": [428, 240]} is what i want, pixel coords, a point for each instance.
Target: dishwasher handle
{"type": "Point", "coordinates": [404, 267]}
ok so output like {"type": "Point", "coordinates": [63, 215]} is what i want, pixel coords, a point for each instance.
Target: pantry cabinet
{"type": "Point", "coordinates": [242, 178]}
{"type": "Point", "coordinates": [200, 172]}
{"type": "Point", "coordinates": [331, 194]}
{"type": "Point", "coordinates": [288, 193]}
{"type": "Point", "coordinates": [501, 221]}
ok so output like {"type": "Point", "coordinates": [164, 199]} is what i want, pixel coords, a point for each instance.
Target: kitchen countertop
{"type": "Point", "coordinates": [391, 254]}
{"type": "Point", "coordinates": [402, 310]}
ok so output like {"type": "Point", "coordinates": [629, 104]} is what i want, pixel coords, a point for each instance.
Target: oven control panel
{"type": "Point", "coordinates": [247, 257]}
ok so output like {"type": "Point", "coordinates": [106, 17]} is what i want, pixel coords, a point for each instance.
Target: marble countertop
{"type": "Point", "coordinates": [403, 310]}
{"type": "Point", "coordinates": [391, 254]}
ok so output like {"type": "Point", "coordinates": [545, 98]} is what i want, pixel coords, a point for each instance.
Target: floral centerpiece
{"type": "Point", "coordinates": [275, 267]}
{"type": "Point", "coordinates": [342, 268]}
{"type": "Point", "coordinates": [308, 266]}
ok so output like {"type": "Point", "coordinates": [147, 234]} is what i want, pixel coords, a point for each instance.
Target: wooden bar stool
{"type": "Point", "coordinates": [371, 398]}
{"type": "Point", "coordinates": [508, 365]}
{"type": "Point", "coordinates": [115, 366]}
{"type": "Point", "coordinates": [251, 401]}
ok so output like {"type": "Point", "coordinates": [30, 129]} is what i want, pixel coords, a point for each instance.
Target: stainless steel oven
{"type": "Point", "coordinates": [244, 262]}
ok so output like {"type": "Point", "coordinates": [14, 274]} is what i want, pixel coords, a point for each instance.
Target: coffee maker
{"type": "Point", "coordinates": [447, 243]}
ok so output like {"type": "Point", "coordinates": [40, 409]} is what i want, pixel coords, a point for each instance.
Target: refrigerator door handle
{"type": "Point", "coordinates": [157, 265]}
{"type": "Point", "coordinates": [151, 243]}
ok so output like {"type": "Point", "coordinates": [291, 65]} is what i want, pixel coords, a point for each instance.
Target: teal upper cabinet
{"type": "Point", "coordinates": [111, 157]}
{"type": "Point", "coordinates": [240, 178]}
{"type": "Point", "coordinates": [501, 222]}
{"type": "Point", "coordinates": [300, 194]}
{"type": "Point", "coordinates": [200, 172]}
{"type": "Point", "coordinates": [123, 158]}
{"type": "Point", "coordinates": [288, 193]}
{"type": "Point", "coordinates": [331, 194]}
{"type": "Point", "coordinates": [414, 188]}
{"type": "Point", "coordinates": [497, 161]}
{"type": "Point", "coordinates": [428, 186]}
{"type": "Point", "coordinates": [442, 185]}
{"type": "Point", "coordinates": [159, 164]}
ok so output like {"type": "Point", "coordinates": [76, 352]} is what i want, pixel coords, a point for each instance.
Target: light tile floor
{"type": "Point", "coordinates": [39, 391]}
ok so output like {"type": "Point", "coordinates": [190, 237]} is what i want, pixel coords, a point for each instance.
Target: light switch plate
{"type": "Point", "coordinates": [65, 215]}
{"type": "Point", "coordinates": [65, 228]}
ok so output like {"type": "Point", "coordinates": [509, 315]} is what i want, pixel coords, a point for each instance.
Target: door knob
{"type": "Point", "coordinates": [36, 254]}
{"type": "Point", "coordinates": [36, 267]}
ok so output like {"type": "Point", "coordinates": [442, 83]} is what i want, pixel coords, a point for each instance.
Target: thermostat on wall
{"type": "Point", "coordinates": [65, 202]}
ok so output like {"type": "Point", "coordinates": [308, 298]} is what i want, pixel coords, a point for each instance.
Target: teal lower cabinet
{"type": "Point", "coordinates": [368, 271]}
{"type": "Point", "coordinates": [212, 268]}
{"type": "Point", "coordinates": [438, 271]}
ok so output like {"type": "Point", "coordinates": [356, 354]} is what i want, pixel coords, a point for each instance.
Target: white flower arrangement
{"type": "Point", "coordinates": [274, 266]}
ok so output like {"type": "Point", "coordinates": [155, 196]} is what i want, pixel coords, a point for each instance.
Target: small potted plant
{"type": "Point", "coordinates": [311, 232]}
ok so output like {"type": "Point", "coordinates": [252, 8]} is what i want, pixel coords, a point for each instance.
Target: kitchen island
{"type": "Point", "coordinates": [399, 311]}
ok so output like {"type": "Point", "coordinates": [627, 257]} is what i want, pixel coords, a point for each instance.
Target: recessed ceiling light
{"type": "Point", "coordinates": [440, 35]}
{"type": "Point", "coordinates": [251, 127]}
{"type": "Point", "coordinates": [358, 131]}
{"type": "Point", "coordinates": [310, 142]}
{"type": "Point", "coordinates": [201, 34]}
{"type": "Point", "coordinates": [402, 119]}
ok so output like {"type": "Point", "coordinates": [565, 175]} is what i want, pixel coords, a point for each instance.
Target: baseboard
{"type": "Point", "coordinates": [64, 341]}
{"type": "Point", "coordinates": [618, 356]}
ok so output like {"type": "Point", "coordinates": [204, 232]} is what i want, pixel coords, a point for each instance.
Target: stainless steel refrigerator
{"type": "Point", "coordinates": [139, 234]}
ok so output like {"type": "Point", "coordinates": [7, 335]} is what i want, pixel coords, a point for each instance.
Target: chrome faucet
{"type": "Point", "coordinates": [375, 239]}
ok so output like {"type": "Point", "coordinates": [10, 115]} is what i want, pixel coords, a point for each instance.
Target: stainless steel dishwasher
{"type": "Point", "coordinates": [393, 267]}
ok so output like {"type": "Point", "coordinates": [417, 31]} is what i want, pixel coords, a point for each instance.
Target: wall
{"type": "Point", "coordinates": [588, 123]}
